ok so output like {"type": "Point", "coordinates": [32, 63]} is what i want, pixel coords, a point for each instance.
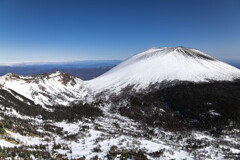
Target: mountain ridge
{"type": "Point", "coordinates": [140, 71]}
{"type": "Point", "coordinates": [46, 89]}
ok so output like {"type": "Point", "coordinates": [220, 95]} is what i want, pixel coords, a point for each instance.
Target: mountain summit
{"type": "Point", "coordinates": [165, 64]}
{"type": "Point", "coordinates": [154, 66]}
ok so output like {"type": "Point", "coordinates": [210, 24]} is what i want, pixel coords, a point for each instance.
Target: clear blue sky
{"type": "Point", "coordinates": [66, 30]}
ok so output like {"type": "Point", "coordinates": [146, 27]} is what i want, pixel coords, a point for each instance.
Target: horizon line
{"type": "Point", "coordinates": [30, 63]}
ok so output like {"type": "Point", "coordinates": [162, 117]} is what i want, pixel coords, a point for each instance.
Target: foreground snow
{"type": "Point", "coordinates": [103, 133]}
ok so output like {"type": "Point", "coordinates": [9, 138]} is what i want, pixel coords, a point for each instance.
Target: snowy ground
{"type": "Point", "coordinates": [115, 130]}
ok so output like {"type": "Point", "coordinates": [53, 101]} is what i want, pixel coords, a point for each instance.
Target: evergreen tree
{"type": "Point", "coordinates": [2, 130]}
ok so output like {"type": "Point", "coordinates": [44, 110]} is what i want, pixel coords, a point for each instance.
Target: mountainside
{"type": "Point", "coordinates": [164, 64]}
{"type": "Point", "coordinates": [154, 66]}
{"type": "Point", "coordinates": [49, 89]}
{"type": "Point", "coordinates": [164, 103]}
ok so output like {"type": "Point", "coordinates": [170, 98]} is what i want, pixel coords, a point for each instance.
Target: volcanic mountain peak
{"type": "Point", "coordinates": [153, 66]}
{"type": "Point", "coordinates": [191, 52]}
{"type": "Point", "coordinates": [164, 64]}
{"type": "Point", "coordinates": [175, 51]}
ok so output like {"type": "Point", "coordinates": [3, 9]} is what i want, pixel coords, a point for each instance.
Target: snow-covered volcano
{"type": "Point", "coordinates": [164, 64]}
{"type": "Point", "coordinates": [141, 70]}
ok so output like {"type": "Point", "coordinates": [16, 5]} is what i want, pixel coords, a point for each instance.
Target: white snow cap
{"type": "Point", "coordinates": [164, 64]}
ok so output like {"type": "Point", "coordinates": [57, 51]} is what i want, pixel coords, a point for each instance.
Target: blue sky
{"type": "Point", "coordinates": [69, 30]}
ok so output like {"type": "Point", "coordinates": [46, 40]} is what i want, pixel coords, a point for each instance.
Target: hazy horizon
{"type": "Point", "coordinates": [22, 63]}
{"type": "Point", "coordinates": [60, 30]}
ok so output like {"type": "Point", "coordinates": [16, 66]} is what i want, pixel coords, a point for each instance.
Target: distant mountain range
{"type": "Point", "coordinates": [83, 69]}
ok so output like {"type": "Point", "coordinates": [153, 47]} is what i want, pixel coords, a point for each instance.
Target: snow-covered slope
{"type": "Point", "coordinates": [50, 89]}
{"type": "Point", "coordinates": [141, 70]}
{"type": "Point", "coordinates": [164, 64]}
{"type": "Point", "coordinates": [154, 125]}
